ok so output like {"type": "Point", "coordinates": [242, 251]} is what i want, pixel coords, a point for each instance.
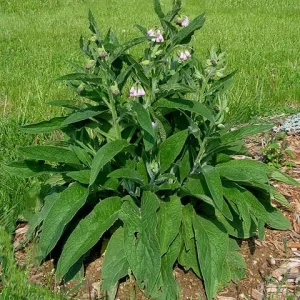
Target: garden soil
{"type": "Point", "coordinates": [273, 265]}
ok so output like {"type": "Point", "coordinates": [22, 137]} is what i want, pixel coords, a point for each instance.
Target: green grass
{"type": "Point", "coordinates": [38, 37]}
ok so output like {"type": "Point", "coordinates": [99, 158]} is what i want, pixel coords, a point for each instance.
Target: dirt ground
{"type": "Point", "coordinates": [273, 265]}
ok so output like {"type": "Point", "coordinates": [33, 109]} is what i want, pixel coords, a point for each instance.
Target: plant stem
{"type": "Point", "coordinates": [114, 115]}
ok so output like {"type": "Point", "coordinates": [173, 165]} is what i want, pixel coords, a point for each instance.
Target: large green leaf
{"type": "Point", "coordinates": [214, 185]}
{"type": "Point", "coordinates": [115, 265]}
{"type": "Point", "coordinates": [188, 257]}
{"type": "Point", "coordinates": [280, 176]}
{"type": "Point", "coordinates": [60, 214]}
{"type": "Point", "coordinates": [232, 173]}
{"type": "Point", "coordinates": [184, 35]}
{"type": "Point", "coordinates": [277, 220]}
{"type": "Point", "coordinates": [104, 155]}
{"type": "Point", "coordinates": [83, 114]}
{"type": "Point", "coordinates": [31, 168]}
{"type": "Point", "coordinates": [212, 245]}
{"type": "Point", "coordinates": [158, 9]}
{"type": "Point", "coordinates": [174, 88]}
{"type": "Point", "coordinates": [82, 176]}
{"type": "Point", "coordinates": [184, 166]}
{"type": "Point", "coordinates": [244, 132]}
{"type": "Point", "coordinates": [146, 124]}
{"type": "Point", "coordinates": [170, 149]}
{"type": "Point", "coordinates": [184, 104]}
{"type": "Point", "coordinates": [88, 232]}
{"type": "Point", "coordinates": [44, 126]}
{"type": "Point", "coordinates": [140, 240]}
{"type": "Point", "coordinates": [166, 286]}
{"type": "Point", "coordinates": [49, 153]}
{"type": "Point", "coordinates": [169, 221]}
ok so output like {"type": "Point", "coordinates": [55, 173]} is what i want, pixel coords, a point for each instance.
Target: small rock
{"type": "Point", "coordinates": [225, 298]}
{"type": "Point", "coordinates": [242, 296]}
{"type": "Point", "coordinates": [272, 261]}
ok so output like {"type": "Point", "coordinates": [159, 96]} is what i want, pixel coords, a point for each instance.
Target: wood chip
{"type": "Point", "coordinates": [293, 245]}
{"type": "Point", "coordinates": [256, 295]}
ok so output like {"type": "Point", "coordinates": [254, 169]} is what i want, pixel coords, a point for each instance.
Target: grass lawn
{"type": "Point", "coordinates": [38, 37]}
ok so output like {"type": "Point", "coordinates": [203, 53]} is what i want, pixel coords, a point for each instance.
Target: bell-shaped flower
{"type": "Point", "coordinates": [140, 91]}
{"type": "Point", "coordinates": [89, 64]}
{"type": "Point", "coordinates": [185, 22]}
{"type": "Point", "coordinates": [187, 54]}
{"type": "Point", "coordinates": [115, 89]}
{"type": "Point", "coordinates": [133, 92]}
{"type": "Point", "coordinates": [102, 53]}
{"type": "Point", "coordinates": [151, 32]}
{"type": "Point", "coordinates": [159, 37]}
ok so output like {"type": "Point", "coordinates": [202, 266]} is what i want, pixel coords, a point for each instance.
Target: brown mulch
{"type": "Point", "coordinates": [273, 265]}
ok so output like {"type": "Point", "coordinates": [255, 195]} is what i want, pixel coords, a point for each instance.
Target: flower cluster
{"type": "Point", "coordinates": [137, 91]}
{"type": "Point", "coordinates": [184, 55]}
{"type": "Point", "coordinates": [158, 37]}
{"type": "Point", "coordinates": [102, 53]}
{"type": "Point", "coordinates": [182, 21]}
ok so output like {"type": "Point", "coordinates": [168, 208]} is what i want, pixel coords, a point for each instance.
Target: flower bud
{"type": "Point", "coordinates": [182, 21]}
{"type": "Point", "coordinates": [89, 64]}
{"type": "Point", "coordinates": [80, 88]}
{"type": "Point", "coordinates": [115, 89]}
{"type": "Point", "coordinates": [102, 53]}
{"type": "Point", "coordinates": [221, 126]}
{"type": "Point", "coordinates": [145, 62]}
{"type": "Point", "coordinates": [93, 38]}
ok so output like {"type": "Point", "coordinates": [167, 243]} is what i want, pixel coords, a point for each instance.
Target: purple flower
{"type": "Point", "coordinates": [133, 92]}
{"type": "Point", "coordinates": [159, 37]}
{"type": "Point", "coordinates": [187, 54]}
{"type": "Point", "coordinates": [151, 33]}
{"type": "Point", "coordinates": [185, 22]}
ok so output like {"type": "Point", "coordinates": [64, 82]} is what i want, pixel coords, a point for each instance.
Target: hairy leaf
{"type": "Point", "coordinates": [50, 153]}
{"type": "Point", "coordinates": [44, 126]}
{"type": "Point", "coordinates": [60, 214]}
{"type": "Point", "coordinates": [82, 176]}
{"type": "Point", "coordinates": [104, 155]}
{"type": "Point", "coordinates": [88, 232]}
{"type": "Point", "coordinates": [140, 240]}
{"type": "Point", "coordinates": [170, 149]}
{"type": "Point", "coordinates": [126, 173]}
{"type": "Point", "coordinates": [115, 265]}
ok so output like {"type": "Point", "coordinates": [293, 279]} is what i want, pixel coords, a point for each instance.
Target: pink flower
{"type": "Point", "coordinates": [187, 54]}
{"type": "Point", "coordinates": [140, 92]}
{"type": "Point", "coordinates": [159, 37]}
{"type": "Point", "coordinates": [185, 22]}
{"type": "Point", "coordinates": [151, 33]}
{"type": "Point", "coordinates": [133, 92]}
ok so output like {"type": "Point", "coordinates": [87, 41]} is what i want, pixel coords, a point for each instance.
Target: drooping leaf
{"type": "Point", "coordinates": [214, 185]}
{"type": "Point", "coordinates": [60, 214]}
{"type": "Point", "coordinates": [104, 155]}
{"type": "Point", "coordinates": [146, 124]}
{"type": "Point", "coordinates": [232, 173]}
{"type": "Point", "coordinates": [88, 232]}
{"type": "Point", "coordinates": [185, 34]}
{"type": "Point", "coordinates": [279, 197]}
{"type": "Point", "coordinates": [184, 104]}
{"type": "Point", "coordinates": [280, 176]}
{"type": "Point", "coordinates": [169, 221]}
{"type": "Point", "coordinates": [49, 153]}
{"type": "Point", "coordinates": [44, 126]}
{"type": "Point", "coordinates": [244, 132]}
{"type": "Point", "coordinates": [170, 149]}
{"type": "Point", "coordinates": [115, 265]}
{"type": "Point", "coordinates": [212, 246]}
{"type": "Point", "coordinates": [63, 103]}
{"type": "Point", "coordinates": [140, 240]}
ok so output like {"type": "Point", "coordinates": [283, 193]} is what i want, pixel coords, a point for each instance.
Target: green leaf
{"type": "Point", "coordinates": [83, 114]}
{"type": "Point", "coordinates": [158, 9]}
{"type": "Point", "coordinates": [232, 173]}
{"type": "Point", "coordinates": [184, 166]}
{"type": "Point", "coordinates": [63, 103]}
{"type": "Point", "coordinates": [126, 173]}
{"type": "Point", "coordinates": [184, 104]}
{"type": "Point", "coordinates": [279, 198]}
{"type": "Point", "coordinates": [146, 124]}
{"type": "Point", "coordinates": [93, 25]}
{"type": "Point", "coordinates": [84, 77]}
{"type": "Point", "coordinates": [280, 176]}
{"type": "Point", "coordinates": [166, 286]}
{"type": "Point", "coordinates": [169, 221]}
{"type": "Point", "coordinates": [214, 185]}
{"type": "Point", "coordinates": [184, 35]}
{"type": "Point", "coordinates": [104, 155]}
{"type": "Point", "coordinates": [234, 267]}
{"type": "Point", "coordinates": [115, 265]}
{"type": "Point", "coordinates": [170, 149]}
{"type": "Point", "coordinates": [82, 176]}
{"type": "Point", "coordinates": [60, 214]}
{"type": "Point", "coordinates": [88, 232]}
{"type": "Point", "coordinates": [244, 132]}
{"type": "Point", "coordinates": [121, 49]}
{"type": "Point", "coordinates": [140, 240]}
{"type": "Point", "coordinates": [277, 220]}
{"type": "Point", "coordinates": [49, 153]}
{"type": "Point", "coordinates": [256, 170]}
{"type": "Point", "coordinates": [31, 168]}
{"type": "Point", "coordinates": [212, 246]}
{"type": "Point", "coordinates": [174, 88]}
{"type": "Point", "coordinates": [44, 126]}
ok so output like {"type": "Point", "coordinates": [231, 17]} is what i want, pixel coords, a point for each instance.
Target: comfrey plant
{"type": "Point", "coordinates": [148, 161]}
